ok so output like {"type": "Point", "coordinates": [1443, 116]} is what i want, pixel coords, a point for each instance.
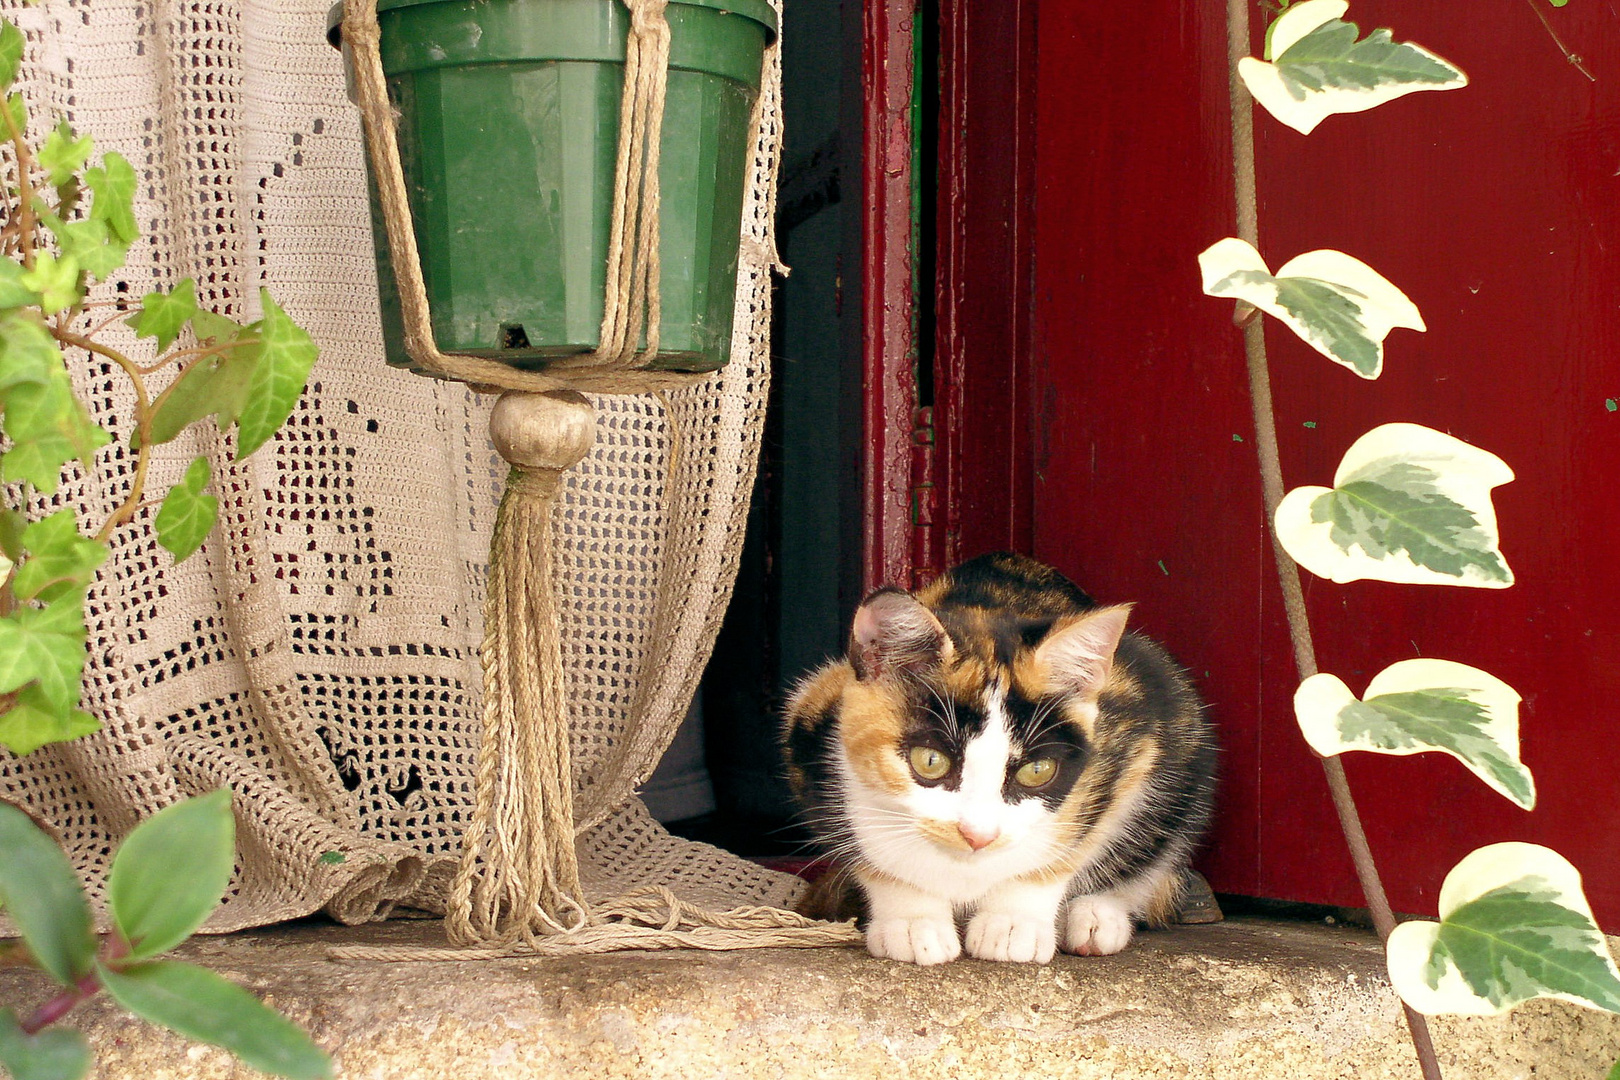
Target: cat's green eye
{"type": "Point", "coordinates": [929, 763]}
{"type": "Point", "coordinates": [1037, 773]}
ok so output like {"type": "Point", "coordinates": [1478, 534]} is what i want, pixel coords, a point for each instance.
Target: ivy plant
{"type": "Point", "coordinates": [1408, 505]}
{"type": "Point", "coordinates": [166, 878]}
{"type": "Point", "coordinates": [67, 221]}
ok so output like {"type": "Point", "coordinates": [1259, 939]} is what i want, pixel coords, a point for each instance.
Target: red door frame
{"type": "Point", "coordinates": [927, 505]}
{"type": "Point", "coordinates": [888, 377]}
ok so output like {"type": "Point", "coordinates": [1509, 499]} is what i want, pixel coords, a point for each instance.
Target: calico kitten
{"type": "Point", "coordinates": [997, 747]}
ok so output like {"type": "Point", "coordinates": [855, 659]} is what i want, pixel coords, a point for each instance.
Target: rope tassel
{"type": "Point", "coordinates": [519, 876]}
{"type": "Point", "coordinates": [518, 888]}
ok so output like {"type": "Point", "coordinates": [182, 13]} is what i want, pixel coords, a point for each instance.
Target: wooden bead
{"type": "Point", "coordinates": [550, 431]}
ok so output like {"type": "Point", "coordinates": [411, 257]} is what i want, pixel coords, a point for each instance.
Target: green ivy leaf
{"type": "Point", "coordinates": [188, 514]}
{"type": "Point", "coordinates": [45, 646]}
{"type": "Point", "coordinates": [162, 315]}
{"type": "Point", "coordinates": [285, 358]}
{"type": "Point", "coordinates": [12, 524]}
{"type": "Point", "coordinates": [170, 873]}
{"type": "Point", "coordinates": [11, 51]}
{"type": "Point", "coordinates": [113, 183]}
{"type": "Point", "coordinates": [48, 428]}
{"type": "Point", "coordinates": [60, 560]}
{"type": "Point", "coordinates": [28, 353]}
{"type": "Point", "coordinates": [1514, 925]}
{"type": "Point", "coordinates": [89, 244]}
{"type": "Point", "coordinates": [63, 154]}
{"type": "Point", "coordinates": [201, 1005]}
{"type": "Point", "coordinates": [41, 893]}
{"type": "Point", "coordinates": [13, 292]}
{"type": "Point", "coordinates": [1519, 937]}
{"type": "Point", "coordinates": [1317, 67]}
{"type": "Point", "coordinates": [1399, 507]}
{"type": "Point", "coordinates": [211, 327]}
{"type": "Point", "coordinates": [216, 385]}
{"type": "Point", "coordinates": [17, 111]}
{"type": "Point", "coordinates": [1409, 504]}
{"type": "Point", "coordinates": [55, 280]}
{"type": "Point", "coordinates": [1614, 1071]}
{"type": "Point", "coordinates": [34, 721]}
{"type": "Point", "coordinates": [1334, 313]}
{"type": "Point", "coordinates": [1446, 717]}
{"type": "Point", "coordinates": [52, 1054]}
{"type": "Point", "coordinates": [1420, 705]}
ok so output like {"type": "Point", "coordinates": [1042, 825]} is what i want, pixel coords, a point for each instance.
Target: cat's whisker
{"type": "Point", "coordinates": [1047, 719]}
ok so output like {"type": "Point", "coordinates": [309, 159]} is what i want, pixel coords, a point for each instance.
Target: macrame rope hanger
{"type": "Point", "coordinates": [518, 888]}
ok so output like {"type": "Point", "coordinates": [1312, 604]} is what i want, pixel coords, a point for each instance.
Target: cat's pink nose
{"type": "Point", "coordinates": [977, 837]}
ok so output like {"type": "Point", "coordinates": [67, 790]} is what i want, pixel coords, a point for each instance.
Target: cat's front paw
{"type": "Point", "coordinates": [916, 941]}
{"type": "Point", "coordinates": [1097, 926]}
{"type": "Point", "coordinates": [995, 935]}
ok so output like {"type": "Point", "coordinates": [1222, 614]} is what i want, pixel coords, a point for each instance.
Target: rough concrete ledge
{"type": "Point", "coordinates": [1249, 998]}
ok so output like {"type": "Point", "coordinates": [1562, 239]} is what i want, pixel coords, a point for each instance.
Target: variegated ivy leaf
{"type": "Point", "coordinates": [1419, 705]}
{"type": "Point", "coordinates": [1410, 505]}
{"type": "Point", "coordinates": [1317, 67]}
{"type": "Point", "coordinates": [1514, 925]}
{"type": "Point", "coordinates": [1338, 305]}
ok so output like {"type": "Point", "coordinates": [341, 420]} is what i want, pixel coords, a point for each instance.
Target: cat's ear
{"type": "Point", "coordinates": [894, 632]}
{"type": "Point", "coordinates": [1078, 653]}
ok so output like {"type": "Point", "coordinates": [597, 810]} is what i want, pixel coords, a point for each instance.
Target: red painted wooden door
{"type": "Point", "coordinates": [1497, 209]}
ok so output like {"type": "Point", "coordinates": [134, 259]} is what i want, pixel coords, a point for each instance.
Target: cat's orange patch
{"type": "Point", "coordinates": [814, 697]}
{"type": "Point", "coordinates": [1123, 689]}
{"type": "Point", "coordinates": [965, 681]}
{"type": "Point", "coordinates": [1160, 909]}
{"type": "Point", "coordinates": [1121, 803]}
{"type": "Point", "coordinates": [871, 724]}
{"type": "Point", "coordinates": [946, 834]}
{"type": "Point", "coordinates": [1031, 675]}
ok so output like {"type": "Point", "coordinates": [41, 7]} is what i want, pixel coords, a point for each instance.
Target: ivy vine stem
{"type": "Point", "coordinates": [25, 188]}
{"type": "Point", "coordinates": [1575, 60]}
{"type": "Point", "coordinates": [143, 424]}
{"type": "Point", "coordinates": [1238, 38]}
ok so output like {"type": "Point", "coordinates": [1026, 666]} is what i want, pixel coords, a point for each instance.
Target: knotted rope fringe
{"type": "Point", "coordinates": [631, 291]}
{"type": "Point", "coordinates": [519, 877]}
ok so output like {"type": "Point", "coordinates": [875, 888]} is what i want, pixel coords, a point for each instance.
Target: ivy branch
{"type": "Point", "coordinates": [67, 224]}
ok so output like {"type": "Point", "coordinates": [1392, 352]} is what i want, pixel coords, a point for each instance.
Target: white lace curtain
{"type": "Point", "coordinates": [319, 654]}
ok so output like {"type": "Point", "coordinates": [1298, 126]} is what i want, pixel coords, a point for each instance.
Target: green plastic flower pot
{"type": "Point", "coordinates": [508, 134]}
